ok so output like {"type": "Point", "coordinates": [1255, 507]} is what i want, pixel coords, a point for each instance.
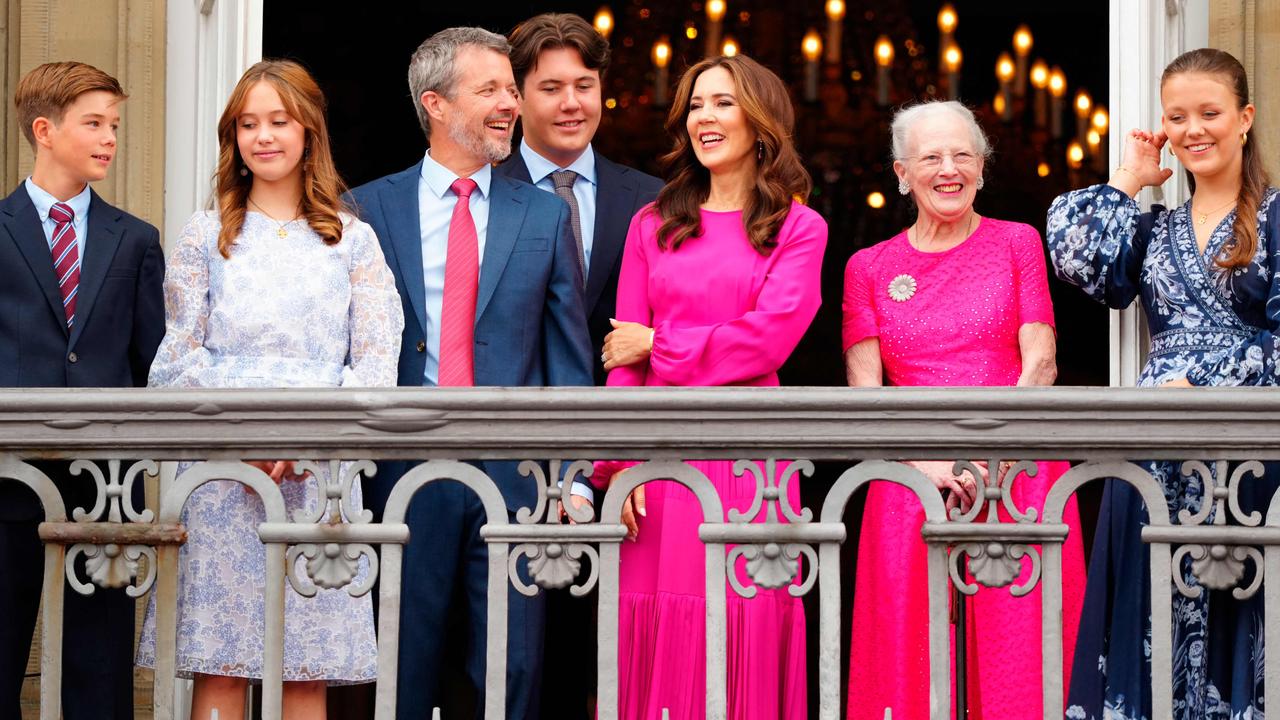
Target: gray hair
{"type": "Point", "coordinates": [433, 68]}
{"type": "Point", "coordinates": [905, 120]}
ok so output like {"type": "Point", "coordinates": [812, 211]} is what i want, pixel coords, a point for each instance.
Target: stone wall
{"type": "Point", "coordinates": [1250, 30]}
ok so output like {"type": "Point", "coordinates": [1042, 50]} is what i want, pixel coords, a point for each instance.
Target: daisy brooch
{"type": "Point", "coordinates": [902, 287]}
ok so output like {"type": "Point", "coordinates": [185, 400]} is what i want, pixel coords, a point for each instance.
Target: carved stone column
{"type": "Point", "coordinates": [123, 37]}
{"type": "Point", "coordinates": [1249, 30]}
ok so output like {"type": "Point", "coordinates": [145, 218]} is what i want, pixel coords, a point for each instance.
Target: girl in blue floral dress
{"type": "Point", "coordinates": [1206, 273]}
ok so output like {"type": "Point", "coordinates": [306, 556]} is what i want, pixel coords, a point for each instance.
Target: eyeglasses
{"type": "Point", "coordinates": [933, 161]}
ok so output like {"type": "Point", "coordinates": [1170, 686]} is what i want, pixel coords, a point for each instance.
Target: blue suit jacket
{"type": "Point", "coordinates": [620, 193]}
{"type": "Point", "coordinates": [530, 324]}
{"type": "Point", "coordinates": [119, 309]}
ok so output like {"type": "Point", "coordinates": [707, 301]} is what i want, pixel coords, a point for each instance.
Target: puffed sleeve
{"type": "Point", "coordinates": [1253, 360]}
{"type": "Point", "coordinates": [859, 302]}
{"type": "Point", "coordinates": [633, 306]}
{"type": "Point", "coordinates": [757, 342]}
{"type": "Point", "coordinates": [182, 359]}
{"type": "Point", "coordinates": [1097, 240]}
{"type": "Point", "coordinates": [1031, 277]}
{"type": "Point", "coordinates": [376, 317]}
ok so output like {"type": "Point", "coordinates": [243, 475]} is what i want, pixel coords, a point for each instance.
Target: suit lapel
{"type": "Point", "coordinates": [22, 224]}
{"type": "Point", "coordinates": [615, 198]}
{"type": "Point", "coordinates": [99, 247]}
{"type": "Point", "coordinates": [400, 208]}
{"type": "Point", "coordinates": [506, 216]}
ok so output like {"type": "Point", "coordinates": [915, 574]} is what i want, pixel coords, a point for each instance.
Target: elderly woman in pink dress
{"type": "Point", "coordinates": [956, 299]}
{"type": "Point", "coordinates": [720, 279]}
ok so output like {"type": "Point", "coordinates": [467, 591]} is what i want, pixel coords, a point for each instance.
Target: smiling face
{"type": "Point", "coordinates": [561, 106]}
{"type": "Point", "coordinates": [474, 126]}
{"type": "Point", "coordinates": [943, 167]}
{"type": "Point", "coordinates": [1204, 123]}
{"type": "Point", "coordinates": [269, 139]}
{"type": "Point", "coordinates": [83, 143]}
{"type": "Point", "coordinates": [722, 137]}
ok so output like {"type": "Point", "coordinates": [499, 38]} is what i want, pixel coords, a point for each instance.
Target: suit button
{"type": "Point", "coordinates": [72, 358]}
{"type": "Point", "coordinates": [422, 346]}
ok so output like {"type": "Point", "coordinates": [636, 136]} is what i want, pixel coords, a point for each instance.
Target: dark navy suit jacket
{"type": "Point", "coordinates": [620, 193]}
{"type": "Point", "coordinates": [530, 324]}
{"type": "Point", "coordinates": [119, 308]}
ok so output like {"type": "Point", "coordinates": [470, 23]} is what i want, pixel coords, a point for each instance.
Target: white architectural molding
{"type": "Point", "coordinates": [210, 44]}
{"type": "Point", "coordinates": [1145, 36]}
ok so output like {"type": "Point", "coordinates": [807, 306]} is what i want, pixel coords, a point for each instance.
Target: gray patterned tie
{"type": "Point", "coordinates": [564, 180]}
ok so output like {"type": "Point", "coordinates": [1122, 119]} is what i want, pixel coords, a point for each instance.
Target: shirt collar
{"type": "Point", "coordinates": [540, 167]}
{"type": "Point", "coordinates": [439, 178]}
{"type": "Point", "coordinates": [43, 201]}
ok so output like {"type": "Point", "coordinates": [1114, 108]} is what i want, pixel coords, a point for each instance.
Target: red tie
{"type": "Point", "coordinates": [461, 275]}
{"type": "Point", "coordinates": [66, 258]}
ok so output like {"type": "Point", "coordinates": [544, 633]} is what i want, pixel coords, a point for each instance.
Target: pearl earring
{"type": "Point", "coordinates": [903, 187]}
{"type": "Point", "coordinates": [981, 182]}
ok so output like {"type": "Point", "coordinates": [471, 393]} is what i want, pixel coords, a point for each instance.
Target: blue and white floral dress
{"type": "Point", "coordinates": [281, 312]}
{"type": "Point", "coordinates": [1213, 326]}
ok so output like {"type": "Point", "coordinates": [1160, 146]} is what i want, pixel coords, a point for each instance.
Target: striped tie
{"type": "Point", "coordinates": [66, 257]}
{"type": "Point", "coordinates": [461, 275]}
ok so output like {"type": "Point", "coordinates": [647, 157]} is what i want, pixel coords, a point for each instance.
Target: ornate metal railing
{"type": "Point", "coordinates": [1104, 430]}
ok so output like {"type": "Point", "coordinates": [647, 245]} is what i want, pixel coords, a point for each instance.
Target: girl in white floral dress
{"type": "Point", "coordinates": [277, 287]}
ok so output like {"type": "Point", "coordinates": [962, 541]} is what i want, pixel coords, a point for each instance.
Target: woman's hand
{"type": "Point", "coordinates": [632, 507]}
{"type": "Point", "coordinates": [1141, 164]}
{"type": "Point", "coordinates": [1179, 383]}
{"type": "Point", "coordinates": [961, 491]}
{"type": "Point", "coordinates": [277, 470]}
{"type": "Point", "coordinates": [628, 344]}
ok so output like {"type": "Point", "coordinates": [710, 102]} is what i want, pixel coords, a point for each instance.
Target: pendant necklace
{"type": "Point", "coordinates": [282, 228]}
{"type": "Point", "coordinates": [1203, 217]}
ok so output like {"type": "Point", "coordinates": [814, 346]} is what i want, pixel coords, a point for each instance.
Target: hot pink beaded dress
{"type": "Point", "coordinates": [723, 314]}
{"type": "Point", "coordinates": [949, 318]}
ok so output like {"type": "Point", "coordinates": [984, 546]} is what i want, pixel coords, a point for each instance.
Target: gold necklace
{"type": "Point", "coordinates": [1204, 216]}
{"type": "Point", "coordinates": [282, 229]}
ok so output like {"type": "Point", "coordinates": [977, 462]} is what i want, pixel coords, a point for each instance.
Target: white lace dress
{"type": "Point", "coordinates": [281, 312]}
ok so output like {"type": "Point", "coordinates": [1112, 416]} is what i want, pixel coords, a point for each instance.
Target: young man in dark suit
{"type": "Point", "coordinates": [81, 305]}
{"type": "Point", "coordinates": [559, 62]}
{"type": "Point", "coordinates": [488, 273]}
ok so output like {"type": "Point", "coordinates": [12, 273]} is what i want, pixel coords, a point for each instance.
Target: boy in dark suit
{"type": "Point", "coordinates": [81, 305]}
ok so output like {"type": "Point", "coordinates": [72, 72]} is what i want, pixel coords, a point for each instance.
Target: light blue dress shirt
{"type": "Point", "coordinates": [584, 189]}
{"type": "Point", "coordinates": [43, 202]}
{"type": "Point", "coordinates": [435, 211]}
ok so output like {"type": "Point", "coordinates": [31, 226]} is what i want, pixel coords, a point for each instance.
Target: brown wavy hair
{"type": "Point", "coordinates": [322, 187]}
{"type": "Point", "coordinates": [780, 176]}
{"type": "Point", "coordinates": [1239, 251]}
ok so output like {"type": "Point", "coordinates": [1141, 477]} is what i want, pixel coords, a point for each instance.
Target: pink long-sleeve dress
{"type": "Point", "coordinates": [955, 322]}
{"type": "Point", "coordinates": [723, 314]}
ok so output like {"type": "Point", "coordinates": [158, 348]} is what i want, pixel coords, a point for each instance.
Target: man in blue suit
{"type": "Point", "coordinates": [81, 305]}
{"type": "Point", "coordinates": [559, 61]}
{"type": "Point", "coordinates": [521, 322]}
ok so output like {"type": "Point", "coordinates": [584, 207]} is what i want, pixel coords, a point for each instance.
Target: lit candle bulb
{"type": "Point", "coordinates": [1004, 72]}
{"type": "Point", "coordinates": [1040, 81]}
{"type": "Point", "coordinates": [1058, 95]}
{"type": "Point", "coordinates": [604, 21]}
{"type": "Point", "coordinates": [811, 48]}
{"type": "Point", "coordinates": [730, 47]}
{"type": "Point", "coordinates": [1022, 41]}
{"type": "Point", "coordinates": [835, 24]}
{"type": "Point", "coordinates": [1075, 155]}
{"type": "Point", "coordinates": [661, 59]}
{"type": "Point", "coordinates": [951, 60]}
{"type": "Point", "coordinates": [715, 14]}
{"type": "Point", "coordinates": [1101, 123]}
{"type": "Point", "coordinates": [884, 62]}
{"type": "Point", "coordinates": [1084, 105]}
{"type": "Point", "coordinates": [946, 31]}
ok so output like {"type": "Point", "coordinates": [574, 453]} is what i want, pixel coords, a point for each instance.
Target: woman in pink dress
{"type": "Point", "coordinates": [956, 299]}
{"type": "Point", "coordinates": [720, 279]}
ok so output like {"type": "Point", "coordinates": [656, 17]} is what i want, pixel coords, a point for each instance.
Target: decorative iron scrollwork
{"type": "Point", "coordinates": [333, 565]}
{"type": "Point", "coordinates": [772, 565]}
{"type": "Point", "coordinates": [1219, 566]}
{"type": "Point", "coordinates": [111, 565]}
{"type": "Point", "coordinates": [995, 563]}
{"type": "Point", "coordinates": [554, 563]}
